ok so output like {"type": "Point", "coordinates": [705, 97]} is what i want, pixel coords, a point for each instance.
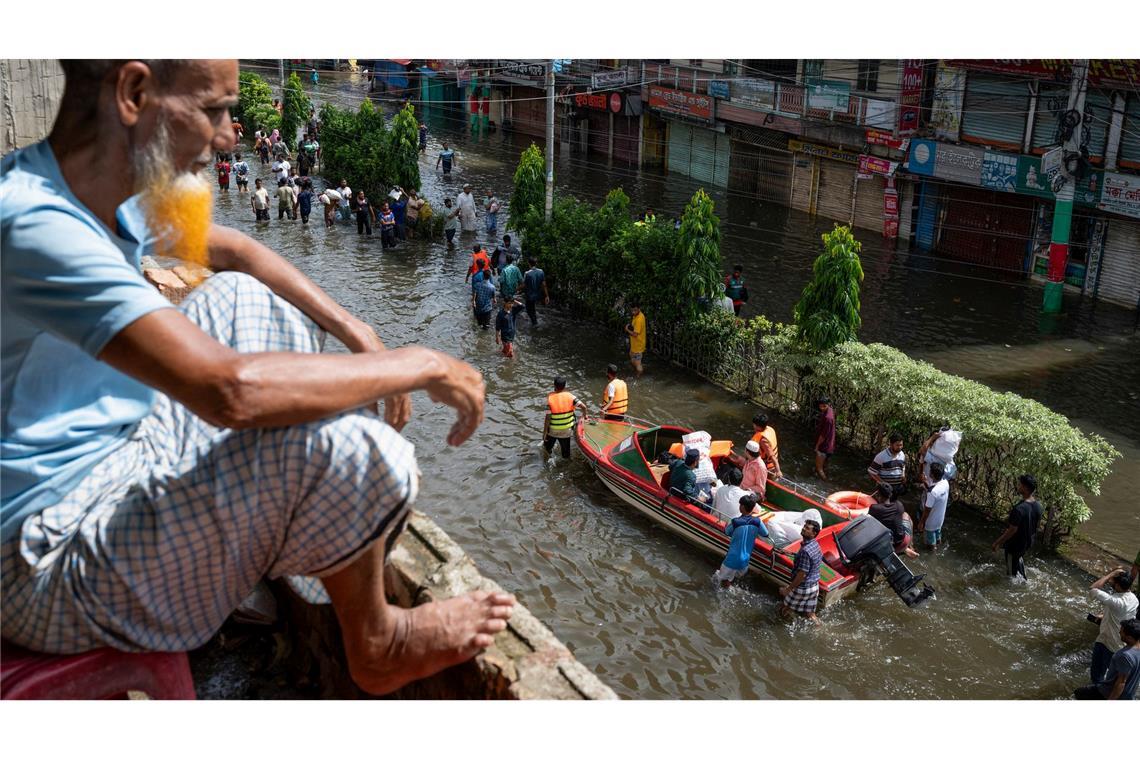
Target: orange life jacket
{"type": "Point", "coordinates": [561, 405]}
{"type": "Point", "coordinates": [621, 397]}
{"type": "Point", "coordinates": [769, 435]}
{"type": "Point", "coordinates": [475, 257]}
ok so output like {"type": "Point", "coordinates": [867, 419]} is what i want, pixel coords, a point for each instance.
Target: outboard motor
{"type": "Point", "coordinates": [865, 544]}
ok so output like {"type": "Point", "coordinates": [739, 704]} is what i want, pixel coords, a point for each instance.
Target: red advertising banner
{"type": "Point", "coordinates": [878, 137]}
{"type": "Point", "coordinates": [890, 210]}
{"type": "Point", "coordinates": [1120, 72]}
{"type": "Point", "coordinates": [875, 165]}
{"type": "Point", "coordinates": [890, 203]}
{"type": "Point", "coordinates": [891, 228]}
{"type": "Point", "coordinates": [693, 104]}
{"type": "Point", "coordinates": [910, 95]}
{"type": "Point", "coordinates": [599, 100]}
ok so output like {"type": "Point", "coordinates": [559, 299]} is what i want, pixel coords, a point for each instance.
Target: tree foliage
{"type": "Point", "coordinates": [828, 311]}
{"type": "Point", "coordinates": [295, 111]}
{"type": "Point", "coordinates": [698, 254]}
{"type": "Point", "coordinates": [404, 149]}
{"type": "Point", "coordinates": [255, 103]}
{"type": "Point", "coordinates": [361, 148]}
{"type": "Point", "coordinates": [530, 186]}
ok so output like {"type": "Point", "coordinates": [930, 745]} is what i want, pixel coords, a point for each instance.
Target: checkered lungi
{"type": "Point", "coordinates": [172, 530]}
{"type": "Point", "coordinates": [803, 599]}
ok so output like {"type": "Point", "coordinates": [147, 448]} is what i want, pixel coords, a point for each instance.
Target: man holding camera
{"type": "Point", "coordinates": [1119, 604]}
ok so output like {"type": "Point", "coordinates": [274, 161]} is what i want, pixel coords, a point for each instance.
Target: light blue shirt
{"type": "Point", "coordinates": [68, 286]}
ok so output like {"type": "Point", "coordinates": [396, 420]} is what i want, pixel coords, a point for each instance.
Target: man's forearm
{"type": "Point", "coordinates": [231, 250]}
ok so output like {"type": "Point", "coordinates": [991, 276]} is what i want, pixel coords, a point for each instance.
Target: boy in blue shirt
{"type": "Point", "coordinates": [505, 325]}
{"type": "Point", "coordinates": [744, 530]}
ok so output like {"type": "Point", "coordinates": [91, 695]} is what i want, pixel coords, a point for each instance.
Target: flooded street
{"type": "Point", "coordinates": [638, 605]}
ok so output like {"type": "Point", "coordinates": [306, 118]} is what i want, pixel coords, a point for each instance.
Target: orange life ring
{"type": "Point", "coordinates": [850, 504]}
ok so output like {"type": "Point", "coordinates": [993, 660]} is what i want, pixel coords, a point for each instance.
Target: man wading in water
{"type": "Point", "coordinates": [157, 462]}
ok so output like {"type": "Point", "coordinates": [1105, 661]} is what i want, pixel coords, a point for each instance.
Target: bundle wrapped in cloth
{"type": "Point", "coordinates": [784, 527]}
{"type": "Point", "coordinates": [702, 442]}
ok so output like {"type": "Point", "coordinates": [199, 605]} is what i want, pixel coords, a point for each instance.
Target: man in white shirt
{"type": "Point", "coordinates": [280, 169]}
{"type": "Point", "coordinates": [726, 501]}
{"type": "Point", "coordinates": [1119, 604]}
{"type": "Point", "coordinates": [345, 199]}
{"type": "Point", "coordinates": [934, 506]}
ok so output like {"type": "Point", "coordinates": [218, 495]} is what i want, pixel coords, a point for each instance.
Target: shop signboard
{"type": "Point", "coordinates": [758, 93]}
{"type": "Point", "coordinates": [695, 105]}
{"type": "Point", "coordinates": [946, 109]}
{"type": "Point", "coordinates": [999, 171]}
{"type": "Point", "coordinates": [1103, 72]}
{"type": "Point", "coordinates": [609, 79]}
{"type": "Point", "coordinates": [879, 137]}
{"type": "Point", "coordinates": [524, 69]}
{"type": "Point", "coordinates": [959, 163]}
{"type": "Point", "coordinates": [1120, 194]}
{"type": "Point", "coordinates": [910, 96]}
{"type": "Point", "coordinates": [599, 101]}
{"type": "Point", "coordinates": [823, 151]}
{"type": "Point", "coordinates": [869, 165]}
{"type": "Point", "coordinates": [829, 96]}
{"type": "Point", "coordinates": [718, 88]}
{"type": "Point", "coordinates": [920, 159]}
{"type": "Point", "coordinates": [1033, 180]}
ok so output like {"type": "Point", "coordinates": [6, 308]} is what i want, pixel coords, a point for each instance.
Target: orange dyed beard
{"type": "Point", "coordinates": [179, 210]}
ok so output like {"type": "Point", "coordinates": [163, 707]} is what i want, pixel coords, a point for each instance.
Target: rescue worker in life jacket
{"type": "Point", "coordinates": [560, 418]}
{"type": "Point", "coordinates": [615, 397]}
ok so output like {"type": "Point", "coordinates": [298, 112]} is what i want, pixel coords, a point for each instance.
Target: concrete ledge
{"type": "Point", "coordinates": [526, 661]}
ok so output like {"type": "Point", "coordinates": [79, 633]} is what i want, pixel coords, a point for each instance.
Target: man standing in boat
{"type": "Point", "coordinates": [615, 396]}
{"type": "Point", "coordinates": [560, 418]}
{"type": "Point", "coordinates": [157, 462]}
{"type": "Point", "coordinates": [801, 595]}
{"type": "Point", "coordinates": [765, 435]}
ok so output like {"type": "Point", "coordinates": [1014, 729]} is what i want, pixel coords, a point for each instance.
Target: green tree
{"type": "Point", "coordinates": [255, 103]}
{"type": "Point", "coordinates": [404, 149]}
{"type": "Point", "coordinates": [295, 111]}
{"type": "Point", "coordinates": [828, 311]}
{"type": "Point", "coordinates": [697, 257]}
{"type": "Point", "coordinates": [530, 187]}
{"type": "Point", "coordinates": [354, 146]}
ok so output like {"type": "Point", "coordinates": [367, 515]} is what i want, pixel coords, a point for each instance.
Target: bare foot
{"type": "Point", "coordinates": [419, 642]}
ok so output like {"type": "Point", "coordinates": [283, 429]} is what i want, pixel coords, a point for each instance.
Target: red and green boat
{"type": "Point", "coordinates": [624, 454]}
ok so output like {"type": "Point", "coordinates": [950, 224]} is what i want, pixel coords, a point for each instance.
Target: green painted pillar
{"type": "Point", "coordinates": [1059, 250]}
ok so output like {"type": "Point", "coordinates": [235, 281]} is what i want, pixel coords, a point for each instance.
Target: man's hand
{"type": "Point", "coordinates": [460, 386]}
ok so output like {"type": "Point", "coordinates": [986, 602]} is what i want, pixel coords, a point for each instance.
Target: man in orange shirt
{"type": "Point", "coordinates": [477, 253]}
{"type": "Point", "coordinates": [765, 435]}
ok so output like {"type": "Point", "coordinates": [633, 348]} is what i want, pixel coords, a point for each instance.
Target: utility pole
{"type": "Point", "coordinates": [549, 139]}
{"type": "Point", "coordinates": [1063, 209]}
{"type": "Point", "coordinates": [281, 72]}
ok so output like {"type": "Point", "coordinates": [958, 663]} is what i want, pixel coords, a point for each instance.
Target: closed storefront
{"type": "Point", "coordinates": [906, 206]}
{"type": "Point", "coordinates": [995, 110]}
{"type": "Point", "coordinates": [869, 203]}
{"type": "Point", "coordinates": [598, 125]}
{"type": "Point", "coordinates": [986, 227]}
{"type": "Point", "coordinates": [833, 195]}
{"type": "Point", "coordinates": [528, 111]}
{"type": "Point", "coordinates": [1119, 271]}
{"type": "Point", "coordinates": [805, 170]}
{"type": "Point", "coordinates": [700, 153]}
{"type": "Point", "coordinates": [654, 140]}
{"type": "Point", "coordinates": [625, 138]}
{"type": "Point", "coordinates": [761, 164]}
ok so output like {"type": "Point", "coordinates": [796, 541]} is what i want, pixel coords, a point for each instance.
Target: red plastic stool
{"type": "Point", "coordinates": [100, 674]}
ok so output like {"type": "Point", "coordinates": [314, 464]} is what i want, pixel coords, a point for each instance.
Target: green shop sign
{"type": "Point", "coordinates": [1031, 180]}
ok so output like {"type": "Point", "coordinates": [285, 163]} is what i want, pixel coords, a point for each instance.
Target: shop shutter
{"type": "Point", "coordinates": [1119, 279]}
{"type": "Point", "coordinates": [680, 143]}
{"type": "Point", "coordinates": [927, 215]}
{"type": "Point", "coordinates": [744, 172]}
{"type": "Point", "coordinates": [723, 159]}
{"type": "Point", "coordinates": [906, 200]}
{"type": "Point", "coordinates": [994, 111]}
{"type": "Point", "coordinates": [528, 111]}
{"type": "Point", "coordinates": [702, 159]}
{"type": "Point", "coordinates": [1052, 101]}
{"type": "Point", "coordinates": [803, 169]}
{"type": "Point", "coordinates": [836, 183]}
{"type": "Point", "coordinates": [599, 130]}
{"type": "Point", "coordinates": [775, 175]}
{"type": "Point", "coordinates": [985, 227]}
{"type": "Point", "coordinates": [625, 138]}
{"type": "Point", "coordinates": [1130, 135]}
{"type": "Point", "coordinates": [869, 203]}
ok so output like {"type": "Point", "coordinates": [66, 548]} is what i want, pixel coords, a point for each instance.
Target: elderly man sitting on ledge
{"type": "Point", "coordinates": [158, 461]}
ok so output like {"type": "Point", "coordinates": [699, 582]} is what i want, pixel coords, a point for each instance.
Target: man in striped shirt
{"type": "Point", "coordinates": [889, 465]}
